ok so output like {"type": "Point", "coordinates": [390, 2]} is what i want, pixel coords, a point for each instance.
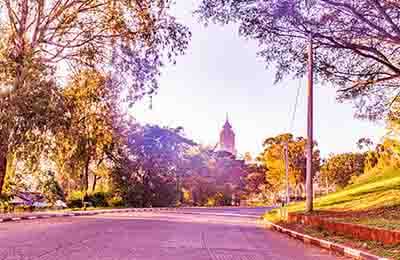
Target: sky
{"type": "Point", "coordinates": [221, 73]}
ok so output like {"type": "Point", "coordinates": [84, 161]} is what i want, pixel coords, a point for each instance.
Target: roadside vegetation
{"type": "Point", "coordinates": [373, 201]}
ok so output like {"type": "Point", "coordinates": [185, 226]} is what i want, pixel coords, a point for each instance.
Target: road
{"type": "Point", "coordinates": [193, 234]}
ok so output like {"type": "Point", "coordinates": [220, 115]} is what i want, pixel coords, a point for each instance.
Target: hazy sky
{"type": "Point", "coordinates": [221, 74]}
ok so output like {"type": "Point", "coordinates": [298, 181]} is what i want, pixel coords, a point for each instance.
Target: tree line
{"type": "Point", "coordinates": [266, 180]}
{"type": "Point", "coordinates": [72, 67]}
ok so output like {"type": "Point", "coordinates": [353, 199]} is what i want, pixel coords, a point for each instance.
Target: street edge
{"type": "Point", "coordinates": [96, 212]}
{"type": "Point", "coordinates": [80, 213]}
{"type": "Point", "coordinates": [334, 247]}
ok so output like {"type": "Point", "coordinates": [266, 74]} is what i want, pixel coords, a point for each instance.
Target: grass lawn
{"type": "Point", "coordinates": [374, 200]}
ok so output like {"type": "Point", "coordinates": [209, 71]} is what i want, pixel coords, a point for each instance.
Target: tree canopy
{"type": "Point", "coordinates": [356, 42]}
{"type": "Point", "coordinates": [45, 44]}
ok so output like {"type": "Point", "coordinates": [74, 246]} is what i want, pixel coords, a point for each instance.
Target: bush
{"type": "Point", "coordinates": [99, 199]}
{"type": "Point", "coordinates": [74, 199]}
{"type": "Point", "coordinates": [4, 202]}
{"type": "Point", "coordinates": [115, 201]}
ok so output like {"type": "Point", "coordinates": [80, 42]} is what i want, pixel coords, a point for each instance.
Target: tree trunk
{"type": "Point", "coordinates": [3, 170]}
{"type": "Point", "coordinates": [94, 182]}
{"type": "Point", "coordinates": [85, 181]}
{"type": "Point", "coordinates": [146, 192]}
{"type": "Point", "coordinates": [86, 175]}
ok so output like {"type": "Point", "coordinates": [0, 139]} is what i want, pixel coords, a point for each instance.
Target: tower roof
{"type": "Point", "coordinates": [227, 124]}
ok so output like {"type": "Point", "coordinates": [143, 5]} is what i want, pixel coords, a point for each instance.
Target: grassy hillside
{"type": "Point", "coordinates": [374, 200]}
{"type": "Point", "coordinates": [372, 192]}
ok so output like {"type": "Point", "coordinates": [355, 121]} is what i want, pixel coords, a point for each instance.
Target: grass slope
{"type": "Point", "coordinates": [374, 200]}
{"type": "Point", "coordinates": [373, 192]}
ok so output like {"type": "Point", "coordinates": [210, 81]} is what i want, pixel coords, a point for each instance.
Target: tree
{"type": "Point", "coordinates": [357, 42]}
{"type": "Point", "coordinates": [27, 118]}
{"type": "Point", "coordinates": [49, 186]}
{"type": "Point", "coordinates": [86, 32]}
{"type": "Point", "coordinates": [256, 179]}
{"type": "Point", "coordinates": [340, 168]}
{"type": "Point", "coordinates": [90, 133]}
{"type": "Point", "coordinates": [146, 174]}
{"type": "Point", "coordinates": [273, 159]}
{"type": "Point", "coordinates": [129, 39]}
{"type": "Point", "coordinates": [213, 177]}
{"type": "Point", "coordinates": [371, 156]}
{"type": "Point", "coordinates": [364, 142]}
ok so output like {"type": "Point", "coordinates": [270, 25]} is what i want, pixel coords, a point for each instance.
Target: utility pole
{"type": "Point", "coordinates": [310, 107]}
{"type": "Point", "coordinates": [287, 173]}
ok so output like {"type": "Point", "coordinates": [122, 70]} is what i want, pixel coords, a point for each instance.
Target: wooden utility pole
{"type": "Point", "coordinates": [287, 173]}
{"type": "Point", "coordinates": [310, 107]}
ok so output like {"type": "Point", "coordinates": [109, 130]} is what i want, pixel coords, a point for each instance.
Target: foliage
{"type": "Point", "coordinates": [4, 202]}
{"type": "Point", "coordinates": [99, 199]}
{"type": "Point", "coordinates": [92, 33]}
{"type": "Point", "coordinates": [256, 178]}
{"type": "Point", "coordinates": [201, 190]}
{"type": "Point", "coordinates": [147, 169]}
{"type": "Point", "coordinates": [49, 186]}
{"type": "Point", "coordinates": [74, 199]}
{"type": "Point", "coordinates": [356, 42]}
{"type": "Point", "coordinates": [272, 158]}
{"type": "Point", "coordinates": [339, 169]}
{"type": "Point", "coordinates": [115, 202]}
{"type": "Point", "coordinates": [27, 117]}
{"type": "Point", "coordinates": [214, 178]}
{"type": "Point", "coordinates": [89, 136]}
{"type": "Point", "coordinates": [258, 189]}
{"type": "Point", "coordinates": [126, 39]}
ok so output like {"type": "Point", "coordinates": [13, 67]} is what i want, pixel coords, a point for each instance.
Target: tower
{"type": "Point", "coordinates": [227, 138]}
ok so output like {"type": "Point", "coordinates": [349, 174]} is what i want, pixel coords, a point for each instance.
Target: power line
{"type": "Point", "coordinates": [295, 107]}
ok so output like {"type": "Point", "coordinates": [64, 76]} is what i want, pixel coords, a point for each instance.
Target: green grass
{"type": "Point", "coordinates": [378, 221]}
{"type": "Point", "coordinates": [376, 190]}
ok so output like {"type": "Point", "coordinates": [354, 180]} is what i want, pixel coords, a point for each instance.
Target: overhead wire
{"type": "Point", "coordinates": [293, 118]}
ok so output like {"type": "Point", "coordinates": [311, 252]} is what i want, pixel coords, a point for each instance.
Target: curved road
{"type": "Point", "coordinates": [191, 234]}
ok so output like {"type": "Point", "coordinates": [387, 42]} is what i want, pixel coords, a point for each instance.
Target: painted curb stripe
{"type": "Point", "coordinates": [347, 251]}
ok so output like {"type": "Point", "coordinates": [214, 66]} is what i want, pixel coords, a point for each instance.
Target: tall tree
{"type": "Point", "coordinates": [356, 41]}
{"type": "Point", "coordinates": [273, 159]}
{"type": "Point", "coordinates": [27, 117]}
{"type": "Point", "coordinates": [89, 135]}
{"type": "Point", "coordinates": [43, 39]}
{"type": "Point", "coordinates": [340, 168]}
{"type": "Point", "coordinates": [151, 164]}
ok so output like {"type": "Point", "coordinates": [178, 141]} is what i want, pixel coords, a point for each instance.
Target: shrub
{"type": "Point", "coordinates": [4, 202]}
{"type": "Point", "coordinates": [99, 199]}
{"type": "Point", "coordinates": [74, 199]}
{"type": "Point", "coordinates": [115, 201]}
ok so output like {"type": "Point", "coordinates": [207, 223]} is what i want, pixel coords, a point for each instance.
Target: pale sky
{"type": "Point", "coordinates": [221, 73]}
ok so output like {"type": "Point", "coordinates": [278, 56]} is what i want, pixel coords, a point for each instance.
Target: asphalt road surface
{"type": "Point", "coordinates": [193, 234]}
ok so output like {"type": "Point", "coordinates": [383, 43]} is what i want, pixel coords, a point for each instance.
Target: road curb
{"type": "Point", "coordinates": [80, 213]}
{"type": "Point", "coordinates": [337, 248]}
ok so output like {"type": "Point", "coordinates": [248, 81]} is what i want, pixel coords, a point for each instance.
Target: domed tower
{"type": "Point", "coordinates": [227, 138]}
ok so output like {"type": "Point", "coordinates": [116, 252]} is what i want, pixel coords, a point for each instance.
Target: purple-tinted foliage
{"type": "Point", "coordinates": [136, 68]}
{"type": "Point", "coordinates": [356, 42]}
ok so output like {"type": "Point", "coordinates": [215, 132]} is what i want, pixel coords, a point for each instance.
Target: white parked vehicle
{"type": "Point", "coordinates": [40, 204]}
{"type": "Point", "coordinates": [60, 204]}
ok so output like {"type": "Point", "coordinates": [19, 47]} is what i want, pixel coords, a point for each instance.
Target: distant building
{"type": "Point", "coordinates": [227, 138]}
